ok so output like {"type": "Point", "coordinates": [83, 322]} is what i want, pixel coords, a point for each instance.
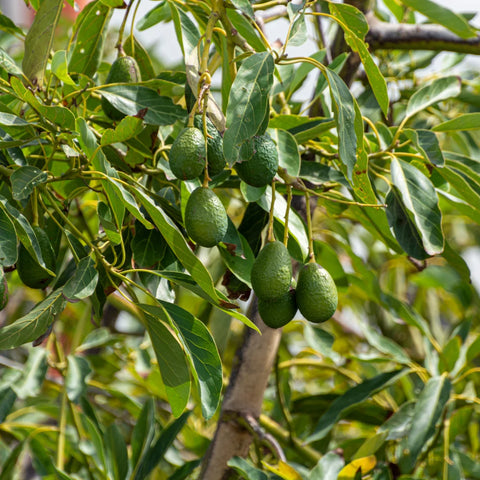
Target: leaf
{"type": "Point", "coordinates": [350, 17]}
{"type": "Point", "coordinates": [242, 467]}
{"type": "Point", "coordinates": [148, 246]}
{"type": "Point", "coordinates": [8, 64]}
{"type": "Point", "coordinates": [399, 423]}
{"type": "Point", "coordinates": [171, 360]}
{"type": "Point", "coordinates": [60, 67]}
{"type": "Point", "coordinates": [83, 282]}
{"type": "Point", "coordinates": [245, 7]}
{"type": "Point", "coordinates": [8, 240]}
{"type": "Point", "coordinates": [428, 411]}
{"type": "Point", "coordinates": [10, 120]}
{"type": "Point", "coordinates": [78, 373]}
{"type": "Point", "coordinates": [467, 121]}
{"type": "Point", "coordinates": [34, 324]}
{"type": "Point", "coordinates": [35, 370]}
{"type": "Point", "coordinates": [187, 33]}
{"type": "Point", "coordinates": [107, 221]}
{"type": "Point", "coordinates": [443, 16]}
{"type": "Point", "coordinates": [282, 470]}
{"type": "Point", "coordinates": [157, 451]}
{"type": "Point", "coordinates": [90, 34]}
{"type": "Point", "coordinates": [160, 13]}
{"type": "Point", "coordinates": [298, 28]}
{"type": "Point", "coordinates": [440, 89]}
{"type": "Point", "coordinates": [327, 468]}
{"type": "Point", "coordinates": [201, 347]}
{"type": "Point", "coordinates": [427, 144]}
{"type": "Point", "coordinates": [288, 154]}
{"type": "Point", "coordinates": [362, 465]}
{"type": "Point", "coordinates": [351, 397]}
{"type": "Point", "coordinates": [10, 463]}
{"type": "Point", "coordinates": [143, 432]}
{"type": "Point", "coordinates": [116, 453]}
{"type": "Point", "coordinates": [248, 102]}
{"type": "Point", "coordinates": [135, 99]}
{"type": "Point", "coordinates": [39, 40]}
{"type": "Point", "coordinates": [25, 179]}
{"type": "Point", "coordinates": [420, 199]}
{"type": "Point", "coordinates": [344, 109]}
{"type": "Point", "coordinates": [8, 26]}
{"type": "Point", "coordinates": [7, 399]}
{"type": "Point", "coordinates": [140, 54]}
{"type": "Point", "coordinates": [128, 127]}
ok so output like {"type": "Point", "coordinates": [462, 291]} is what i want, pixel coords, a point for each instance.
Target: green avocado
{"type": "Point", "coordinates": [187, 154]}
{"type": "Point", "coordinates": [258, 161]}
{"type": "Point", "coordinates": [317, 296]}
{"type": "Point", "coordinates": [3, 290]}
{"type": "Point", "coordinates": [29, 271]}
{"type": "Point", "coordinates": [124, 70]}
{"type": "Point", "coordinates": [206, 220]}
{"type": "Point", "coordinates": [278, 312]}
{"type": "Point", "coordinates": [271, 274]}
{"type": "Point", "coordinates": [215, 157]}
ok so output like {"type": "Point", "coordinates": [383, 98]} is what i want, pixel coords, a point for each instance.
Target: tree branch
{"type": "Point", "coordinates": [406, 36]}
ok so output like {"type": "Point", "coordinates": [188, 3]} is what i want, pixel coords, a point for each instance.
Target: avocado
{"type": "Point", "coordinates": [29, 271]}
{"type": "Point", "coordinates": [317, 296]}
{"type": "Point", "coordinates": [124, 70]}
{"type": "Point", "coordinates": [187, 154]}
{"type": "Point", "coordinates": [272, 271]}
{"type": "Point", "coordinates": [278, 312]}
{"type": "Point", "coordinates": [206, 220]}
{"type": "Point", "coordinates": [258, 161]}
{"type": "Point", "coordinates": [3, 290]}
{"type": "Point", "coordinates": [216, 159]}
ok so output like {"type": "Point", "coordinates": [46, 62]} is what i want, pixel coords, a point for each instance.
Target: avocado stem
{"type": "Point", "coordinates": [119, 45]}
{"type": "Point", "coordinates": [287, 213]}
{"type": "Point", "coordinates": [311, 253]}
{"type": "Point", "coordinates": [270, 236]}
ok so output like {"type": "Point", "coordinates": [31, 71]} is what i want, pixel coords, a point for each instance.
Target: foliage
{"type": "Point", "coordinates": [116, 369]}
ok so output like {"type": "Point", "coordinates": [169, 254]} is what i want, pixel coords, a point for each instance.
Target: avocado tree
{"type": "Point", "coordinates": [256, 264]}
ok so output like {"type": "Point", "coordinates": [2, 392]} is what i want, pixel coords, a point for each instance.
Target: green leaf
{"type": "Point", "coordinates": [143, 432]}
{"type": "Point", "coordinates": [467, 121]}
{"type": "Point", "coordinates": [8, 64]}
{"type": "Point", "coordinates": [7, 25]}
{"type": "Point", "coordinates": [107, 221]}
{"type": "Point", "coordinates": [440, 89]}
{"type": "Point", "coordinates": [9, 465]}
{"type": "Point", "coordinates": [443, 16]}
{"type": "Point", "coordinates": [157, 451]}
{"type": "Point", "coordinates": [10, 120]}
{"type": "Point", "coordinates": [351, 397]}
{"type": "Point", "coordinates": [148, 104]}
{"type": "Point", "coordinates": [241, 466]}
{"type": "Point", "coordinates": [327, 468]}
{"type": "Point", "coordinates": [8, 240]}
{"type": "Point", "coordinates": [240, 263]}
{"type": "Point", "coordinates": [298, 28]}
{"type": "Point", "coordinates": [187, 33]}
{"type": "Point", "coordinates": [428, 411]}
{"type": "Point", "coordinates": [116, 452]}
{"type": "Point", "coordinates": [148, 246]}
{"type": "Point", "coordinates": [83, 282]}
{"type": "Point", "coordinates": [35, 370]}
{"type": "Point", "coordinates": [34, 324]}
{"type": "Point", "coordinates": [245, 7]}
{"type": "Point", "coordinates": [113, 3]}
{"type": "Point", "coordinates": [140, 54]}
{"type": "Point", "coordinates": [158, 14]}
{"type": "Point", "coordinates": [170, 357]}
{"type": "Point", "coordinates": [321, 341]}
{"type": "Point", "coordinates": [60, 67]}
{"type": "Point", "coordinates": [427, 144]}
{"type": "Point", "coordinates": [7, 399]}
{"type": "Point", "coordinates": [203, 352]}
{"type": "Point", "coordinates": [25, 179]}
{"type": "Point", "coordinates": [288, 154]}
{"type": "Point", "coordinates": [421, 201]}
{"type": "Point", "coordinates": [129, 127]}
{"type": "Point", "coordinates": [78, 373]}
{"type": "Point", "coordinates": [344, 108]}
{"type": "Point", "coordinates": [246, 30]}
{"type": "Point", "coordinates": [400, 422]}
{"type": "Point", "coordinates": [39, 40]}
{"type": "Point", "coordinates": [350, 18]}
{"type": "Point", "coordinates": [90, 35]}
{"type": "Point", "coordinates": [248, 102]}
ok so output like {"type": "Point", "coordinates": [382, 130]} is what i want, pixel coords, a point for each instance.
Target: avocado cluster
{"type": "Point", "coordinates": [315, 294]}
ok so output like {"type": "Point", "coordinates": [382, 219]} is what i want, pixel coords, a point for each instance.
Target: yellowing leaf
{"type": "Point", "coordinates": [366, 464]}
{"type": "Point", "coordinates": [283, 470]}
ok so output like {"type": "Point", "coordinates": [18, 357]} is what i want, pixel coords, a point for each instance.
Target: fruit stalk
{"type": "Point", "coordinates": [311, 253]}
{"type": "Point", "coordinates": [270, 237]}
{"type": "Point", "coordinates": [287, 214]}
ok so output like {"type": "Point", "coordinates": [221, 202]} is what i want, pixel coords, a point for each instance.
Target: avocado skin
{"type": "Point", "coordinates": [317, 296]}
{"type": "Point", "coordinates": [206, 220]}
{"type": "Point", "coordinates": [124, 70]}
{"type": "Point", "coordinates": [216, 159]}
{"type": "Point", "coordinates": [278, 312]}
{"type": "Point", "coordinates": [258, 161]}
{"type": "Point", "coordinates": [187, 154]}
{"type": "Point", "coordinates": [272, 271]}
{"type": "Point", "coordinates": [29, 271]}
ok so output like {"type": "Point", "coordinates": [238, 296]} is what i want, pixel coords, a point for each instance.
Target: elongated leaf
{"type": "Point", "coordinates": [39, 40]}
{"type": "Point", "coordinates": [201, 347]}
{"type": "Point", "coordinates": [76, 380]}
{"type": "Point", "coordinates": [158, 14]}
{"type": "Point", "coordinates": [244, 6]}
{"type": "Point", "coordinates": [129, 127]}
{"type": "Point", "coordinates": [34, 324]}
{"type": "Point", "coordinates": [148, 246]}
{"type": "Point", "coordinates": [420, 199]}
{"type": "Point", "coordinates": [239, 263]}
{"type": "Point", "coordinates": [351, 18]}
{"type": "Point", "coordinates": [157, 451]}
{"type": "Point", "coordinates": [171, 359]}
{"type": "Point", "coordinates": [443, 16]}
{"type": "Point", "coordinates": [140, 54]}
{"type": "Point", "coordinates": [327, 468]}
{"type": "Point", "coordinates": [298, 28]}
{"type": "Point", "coordinates": [344, 109]}
{"type": "Point", "coordinates": [241, 466]}
{"type": "Point", "coordinates": [143, 431]}
{"type": "Point", "coordinates": [35, 370]}
{"type": "Point", "coordinates": [288, 154]}
{"type": "Point", "coordinates": [427, 143]}
{"type": "Point", "coordinates": [10, 120]}
{"type": "Point", "coordinates": [8, 240]}
{"type": "Point", "coordinates": [428, 411]}
{"type": "Point", "coordinates": [135, 99]}
{"type": "Point", "coordinates": [60, 67]}
{"type": "Point", "coordinates": [25, 179]}
{"type": "Point", "coordinates": [440, 89]}
{"type": "Point", "coordinates": [8, 64]}
{"type": "Point", "coordinates": [468, 121]}
{"type": "Point", "coordinates": [83, 282]}
{"type": "Point", "coordinates": [248, 102]}
{"type": "Point", "coordinates": [187, 33]}
{"type": "Point", "coordinates": [116, 452]}
{"type": "Point", "coordinates": [91, 30]}
{"type": "Point", "coordinates": [355, 395]}
{"type": "Point", "coordinates": [7, 399]}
